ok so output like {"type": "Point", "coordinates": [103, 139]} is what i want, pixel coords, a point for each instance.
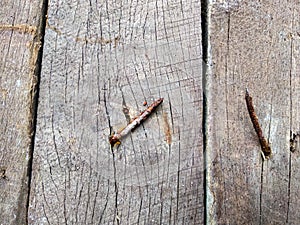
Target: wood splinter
{"type": "Point", "coordinates": [265, 147]}
{"type": "Point", "coordinates": [114, 139]}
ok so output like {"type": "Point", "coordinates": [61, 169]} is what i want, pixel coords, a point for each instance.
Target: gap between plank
{"type": "Point", "coordinates": [206, 72]}
{"type": "Point", "coordinates": [34, 93]}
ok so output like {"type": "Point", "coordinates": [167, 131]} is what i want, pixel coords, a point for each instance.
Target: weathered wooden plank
{"type": "Point", "coordinates": [101, 59]}
{"type": "Point", "coordinates": [19, 48]}
{"type": "Point", "coordinates": [294, 202]}
{"type": "Point", "coordinates": [254, 44]}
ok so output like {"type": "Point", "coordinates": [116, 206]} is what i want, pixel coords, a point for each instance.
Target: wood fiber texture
{"type": "Point", "coordinates": [19, 47]}
{"type": "Point", "coordinates": [101, 61]}
{"type": "Point", "coordinates": [254, 45]}
{"type": "Point", "coordinates": [293, 216]}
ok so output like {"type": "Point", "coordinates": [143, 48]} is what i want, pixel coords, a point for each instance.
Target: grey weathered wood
{"type": "Point", "coordinates": [254, 44]}
{"type": "Point", "coordinates": [19, 47]}
{"type": "Point", "coordinates": [99, 57]}
{"type": "Point", "coordinates": [294, 186]}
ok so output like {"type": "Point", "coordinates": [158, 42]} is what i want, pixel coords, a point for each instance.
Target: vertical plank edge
{"type": "Point", "coordinates": [207, 73]}
{"type": "Point", "coordinates": [35, 71]}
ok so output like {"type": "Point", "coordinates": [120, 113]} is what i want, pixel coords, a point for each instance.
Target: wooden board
{"type": "Point", "coordinates": [294, 162]}
{"type": "Point", "coordinates": [101, 61]}
{"type": "Point", "coordinates": [19, 48]}
{"type": "Point", "coordinates": [254, 44]}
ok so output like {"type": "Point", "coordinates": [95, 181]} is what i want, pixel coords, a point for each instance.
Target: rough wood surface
{"type": "Point", "coordinates": [101, 61]}
{"type": "Point", "coordinates": [293, 215]}
{"type": "Point", "coordinates": [254, 44]}
{"type": "Point", "coordinates": [19, 51]}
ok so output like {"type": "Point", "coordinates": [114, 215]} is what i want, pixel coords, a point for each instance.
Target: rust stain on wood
{"type": "Point", "coordinates": [114, 139]}
{"type": "Point", "coordinates": [126, 112]}
{"type": "Point", "coordinates": [265, 147]}
{"type": "Point", "coordinates": [167, 128]}
{"type": "Point", "coordinates": [23, 28]}
{"type": "Point", "coordinates": [115, 41]}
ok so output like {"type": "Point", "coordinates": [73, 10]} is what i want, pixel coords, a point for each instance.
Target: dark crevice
{"type": "Point", "coordinates": [34, 93]}
{"type": "Point", "coordinates": [289, 189]}
{"type": "Point", "coordinates": [260, 194]}
{"type": "Point", "coordinates": [106, 110]}
{"type": "Point", "coordinates": [292, 136]}
{"type": "Point", "coordinates": [204, 29]}
{"type": "Point", "coordinates": [204, 161]}
{"type": "Point", "coordinates": [116, 215]}
{"type": "Point", "coordinates": [205, 61]}
{"type": "Point", "coordinates": [178, 179]}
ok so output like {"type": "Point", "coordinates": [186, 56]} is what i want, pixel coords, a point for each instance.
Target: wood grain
{"type": "Point", "coordinates": [102, 60]}
{"type": "Point", "coordinates": [294, 163]}
{"type": "Point", "coordinates": [254, 44]}
{"type": "Point", "coordinates": [19, 49]}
